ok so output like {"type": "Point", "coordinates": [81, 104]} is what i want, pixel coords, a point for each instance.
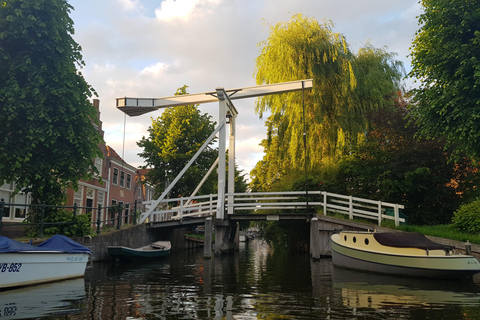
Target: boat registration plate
{"type": "Point", "coordinates": [10, 267]}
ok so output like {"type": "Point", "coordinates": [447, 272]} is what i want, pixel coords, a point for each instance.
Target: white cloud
{"type": "Point", "coordinates": [128, 5]}
{"type": "Point", "coordinates": [184, 9]}
{"type": "Point", "coordinates": [155, 70]}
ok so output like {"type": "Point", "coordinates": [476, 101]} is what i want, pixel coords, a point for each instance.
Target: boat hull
{"type": "Point", "coordinates": [125, 253]}
{"type": "Point", "coordinates": [34, 267]}
{"type": "Point", "coordinates": [416, 265]}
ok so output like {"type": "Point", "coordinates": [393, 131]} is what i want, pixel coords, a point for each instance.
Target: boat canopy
{"type": "Point", "coordinates": [56, 243]}
{"type": "Point", "coordinates": [10, 245]}
{"type": "Point", "coordinates": [63, 244]}
{"type": "Point", "coordinates": [409, 240]}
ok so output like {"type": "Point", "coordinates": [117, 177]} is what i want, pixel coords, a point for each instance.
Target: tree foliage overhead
{"type": "Point", "coordinates": [446, 61]}
{"type": "Point", "coordinates": [47, 136]}
{"type": "Point", "coordinates": [173, 140]}
{"type": "Point", "coordinates": [345, 87]}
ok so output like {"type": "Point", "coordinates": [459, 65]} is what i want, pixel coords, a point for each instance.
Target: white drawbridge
{"type": "Point", "coordinates": [139, 106]}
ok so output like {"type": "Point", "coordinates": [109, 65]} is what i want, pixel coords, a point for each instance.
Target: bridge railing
{"type": "Point", "coordinates": [361, 208]}
{"type": "Point", "coordinates": [184, 207]}
{"type": "Point", "coordinates": [297, 201]}
{"type": "Point", "coordinates": [277, 203]}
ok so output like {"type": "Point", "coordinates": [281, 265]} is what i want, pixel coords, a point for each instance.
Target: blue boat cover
{"type": "Point", "coordinates": [56, 243]}
{"type": "Point", "coordinates": [9, 245]}
{"type": "Point", "coordinates": [64, 244]}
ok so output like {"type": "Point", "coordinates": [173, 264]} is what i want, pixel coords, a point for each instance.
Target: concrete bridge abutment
{"type": "Point", "coordinates": [322, 228]}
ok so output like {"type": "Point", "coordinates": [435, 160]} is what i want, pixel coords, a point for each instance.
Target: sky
{"type": "Point", "coordinates": [150, 48]}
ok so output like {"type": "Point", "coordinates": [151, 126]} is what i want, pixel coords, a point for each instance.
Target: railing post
{"type": "Point", "coordinates": [397, 215]}
{"type": "Point", "coordinates": [74, 211]}
{"type": "Point", "coordinates": [99, 221]}
{"type": "Point", "coordinates": [42, 222]}
{"type": "Point", "coordinates": [2, 205]}
{"type": "Point", "coordinates": [211, 204]}
{"type": "Point", "coordinates": [324, 203]}
{"type": "Point", "coordinates": [350, 207]}
{"type": "Point", "coordinates": [181, 208]}
{"type": "Point", "coordinates": [135, 212]}
{"type": "Point", "coordinates": [379, 213]}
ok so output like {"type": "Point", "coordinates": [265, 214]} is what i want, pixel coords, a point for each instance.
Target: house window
{"type": "Point", "coordinates": [112, 212]}
{"type": "Point", "coordinates": [6, 212]}
{"type": "Point", "coordinates": [90, 198]}
{"type": "Point", "coordinates": [7, 186]}
{"type": "Point", "coordinates": [77, 197]}
{"type": "Point", "coordinates": [5, 195]}
{"type": "Point", "coordinates": [20, 211]}
{"type": "Point", "coordinates": [98, 166]}
{"type": "Point", "coordinates": [101, 198]}
{"type": "Point", "coordinates": [90, 193]}
{"type": "Point", "coordinates": [129, 181]}
{"type": "Point", "coordinates": [139, 192]}
{"type": "Point", "coordinates": [122, 179]}
{"type": "Point", "coordinates": [120, 203]}
{"type": "Point", "coordinates": [115, 176]}
{"type": "Point", "coordinates": [127, 212]}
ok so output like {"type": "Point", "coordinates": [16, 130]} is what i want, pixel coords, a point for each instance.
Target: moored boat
{"type": "Point", "coordinates": [57, 258]}
{"type": "Point", "coordinates": [399, 253]}
{"type": "Point", "coordinates": [149, 252]}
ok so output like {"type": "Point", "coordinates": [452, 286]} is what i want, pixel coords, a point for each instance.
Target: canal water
{"type": "Point", "coordinates": [255, 283]}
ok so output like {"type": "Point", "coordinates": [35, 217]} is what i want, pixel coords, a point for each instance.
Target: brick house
{"type": "Point", "coordinates": [117, 183]}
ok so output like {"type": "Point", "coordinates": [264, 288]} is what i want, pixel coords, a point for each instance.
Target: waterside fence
{"type": "Point", "coordinates": [105, 217]}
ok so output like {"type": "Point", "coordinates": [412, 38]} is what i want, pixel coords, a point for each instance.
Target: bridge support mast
{"type": "Point", "coordinates": [224, 233]}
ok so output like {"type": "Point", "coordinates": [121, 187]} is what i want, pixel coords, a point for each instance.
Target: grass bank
{"type": "Point", "coordinates": [446, 231]}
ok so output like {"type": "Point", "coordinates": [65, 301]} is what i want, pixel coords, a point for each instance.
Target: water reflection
{"type": "Point", "coordinates": [58, 298]}
{"type": "Point", "coordinates": [380, 291]}
{"type": "Point", "coordinates": [257, 283]}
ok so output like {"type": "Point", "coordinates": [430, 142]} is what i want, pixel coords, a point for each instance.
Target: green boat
{"type": "Point", "coordinates": [152, 251]}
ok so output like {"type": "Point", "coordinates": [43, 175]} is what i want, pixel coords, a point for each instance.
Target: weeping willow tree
{"type": "Point", "coordinates": [345, 87]}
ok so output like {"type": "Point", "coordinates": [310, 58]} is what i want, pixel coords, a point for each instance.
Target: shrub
{"type": "Point", "coordinates": [467, 217]}
{"type": "Point", "coordinates": [59, 221]}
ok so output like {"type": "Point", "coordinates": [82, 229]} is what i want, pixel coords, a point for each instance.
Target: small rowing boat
{"type": "Point", "coordinates": [400, 253]}
{"type": "Point", "coordinates": [150, 252]}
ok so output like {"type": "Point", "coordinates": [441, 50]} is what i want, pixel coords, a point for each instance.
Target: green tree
{"type": "Point", "coordinates": [345, 87]}
{"type": "Point", "coordinates": [393, 166]}
{"type": "Point", "coordinates": [446, 61]}
{"type": "Point", "coordinates": [48, 138]}
{"type": "Point", "coordinates": [173, 139]}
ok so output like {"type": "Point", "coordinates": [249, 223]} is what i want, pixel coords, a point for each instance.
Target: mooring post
{"type": "Point", "coordinates": [468, 248]}
{"type": "Point", "coordinates": [314, 239]}
{"type": "Point", "coordinates": [207, 244]}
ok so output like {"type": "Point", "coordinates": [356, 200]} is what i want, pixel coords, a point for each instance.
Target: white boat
{"type": "Point", "coordinates": [400, 253]}
{"type": "Point", "coordinates": [57, 258]}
